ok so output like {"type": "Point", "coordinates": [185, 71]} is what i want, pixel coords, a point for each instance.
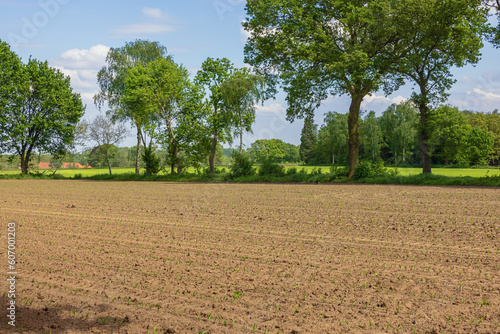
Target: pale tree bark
{"type": "Point", "coordinates": [138, 155]}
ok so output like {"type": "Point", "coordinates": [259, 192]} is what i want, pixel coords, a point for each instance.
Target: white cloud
{"type": "Point", "coordinates": [377, 99]}
{"type": "Point", "coordinates": [82, 66]}
{"type": "Point", "coordinates": [93, 58]}
{"type": "Point", "coordinates": [477, 99]}
{"type": "Point", "coordinates": [486, 95]}
{"type": "Point", "coordinates": [133, 30]}
{"type": "Point", "coordinates": [152, 12]}
{"type": "Point", "coordinates": [274, 109]}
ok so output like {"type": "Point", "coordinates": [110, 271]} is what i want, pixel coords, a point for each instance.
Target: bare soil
{"type": "Point", "coordinates": [139, 257]}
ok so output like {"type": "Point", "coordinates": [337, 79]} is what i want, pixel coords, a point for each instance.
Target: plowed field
{"type": "Point", "coordinates": [121, 257]}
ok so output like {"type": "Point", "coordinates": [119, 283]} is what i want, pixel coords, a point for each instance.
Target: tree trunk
{"type": "Point", "coordinates": [109, 164]}
{"type": "Point", "coordinates": [24, 164]}
{"type": "Point", "coordinates": [241, 133]}
{"type": "Point", "coordinates": [353, 125]}
{"type": "Point", "coordinates": [333, 154]}
{"type": "Point", "coordinates": [424, 140]}
{"type": "Point", "coordinates": [177, 160]}
{"type": "Point", "coordinates": [138, 155]}
{"type": "Point", "coordinates": [211, 158]}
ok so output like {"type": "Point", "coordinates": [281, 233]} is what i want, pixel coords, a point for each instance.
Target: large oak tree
{"type": "Point", "coordinates": [38, 108]}
{"type": "Point", "coordinates": [318, 48]}
{"type": "Point", "coordinates": [440, 34]}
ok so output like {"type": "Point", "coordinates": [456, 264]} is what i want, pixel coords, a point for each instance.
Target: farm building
{"type": "Point", "coordinates": [46, 165]}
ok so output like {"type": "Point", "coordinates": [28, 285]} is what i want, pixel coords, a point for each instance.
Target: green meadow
{"type": "Point", "coordinates": [403, 171]}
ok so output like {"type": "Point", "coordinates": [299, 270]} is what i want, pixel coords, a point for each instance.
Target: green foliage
{"type": "Point", "coordinates": [111, 80]}
{"type": "Point", "coordinates": [213, 73]}
{"type": "Point", "coordinates": [399, 125]}
{"type": "Point", "coordinates": [363, 170]}
{"type": "Point", "coordinates": [367, 169]}
{"type": "Point", "coordinates": [308, 140]}
{"type": "Point", "coordinates": [39, 108]}
{"type": "Point", "coordinates": [151, 160]}
{"type": "Point", "coordinates": [273, 149]}
{"type": "Point", "coordinates": [448, 129]}
{"type": "Point", "coordinates": [333, 138]}
{"type": "Point", "coordinates": [371, 136]}
{"type": "Point", "coordinates": [242, 165]}
{"type": "Point", "coordinates": [271, 168]}
{"type": "Point", "coordinates": [339, 172]}
{"type": "Point", "coordinates": [240, 92]}
{"type": "Point", "coordinates": [477, 146]}
{"type": "Point", "coordinates": [441, 34]}
{"type": "Point", "coordinates": [161, 92]}
{"type": "Point", "coordinates": [315, 49]}
{"type": "Point", "coordinates": [491, 123]}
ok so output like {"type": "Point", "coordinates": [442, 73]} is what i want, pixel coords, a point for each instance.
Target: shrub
{"type": "Point", "coordinates": [303, 171]}
{"type": "Point", "coordinates": [316, 171]}
{"type": "Point", "coordinates": [378, 168]}
{"type": "Point", "coordinates": [271, 168]}
{"type": "Point", "coordinates": [366, 169]}
{"type": "Point", "coordinates": [242, 166]}
{"type": "Point", "coordinates": [363, 170]}
{"type": "Point", "coordinates": [338, 172]}
{"type": "Point", "coordinates": [291, 171]}
{"type": "Point", "coordinates": [151, 160]}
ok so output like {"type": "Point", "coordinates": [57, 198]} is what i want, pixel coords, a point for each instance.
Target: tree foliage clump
{"type": "Point", "coordinates": [242, 165]}
{"type": "Point", "coordinates": [39, 110]}
{"type": "Point", "coordinates": [268, 167]}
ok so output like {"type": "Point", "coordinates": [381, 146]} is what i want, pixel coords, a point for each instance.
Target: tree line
{"type": "Point", "coordinates": [140, 84]}
{"type": "Point", "coordinates": [311, 50]}
{"type": "Point", "coordinates": [456, 137]}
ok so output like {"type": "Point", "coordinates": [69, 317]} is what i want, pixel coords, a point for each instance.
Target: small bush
{"type": "Point", "coordinates": [378, 168]}
{"type": "Point", "coordinates": [271, 168]}
{"type": "Point", "coordinates": [316, 171]}
{"type": "Point", "coordinates": [291, 171]}
{"type": "Point", "coordinates": [363, 170]}
{"type": "Point", "coordinates": [242, 166]}
{"type": "Point", "coordinates": [367, 169]}
{"type": "Point", "coordinates": [151, 160]}
{"type": "Point", "coordinates": [338, 172]}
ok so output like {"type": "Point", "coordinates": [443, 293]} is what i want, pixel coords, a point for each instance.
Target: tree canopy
{"type": "Point", "coordinates": [318, 48]}
{"type": "Point", "coordinates": [39, 108]}
{"type": "Point", "coordinates": [111, 80]}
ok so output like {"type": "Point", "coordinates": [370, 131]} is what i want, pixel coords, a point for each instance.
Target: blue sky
{"type": "Point", "coordinates": [74, 36]}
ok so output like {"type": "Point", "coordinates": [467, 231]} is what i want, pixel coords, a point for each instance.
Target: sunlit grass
{"type": "Point", "coordinates": [452, 172]}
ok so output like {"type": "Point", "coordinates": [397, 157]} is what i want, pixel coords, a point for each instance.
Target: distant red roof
{"type": "Point", "coordinates": [46, 165]}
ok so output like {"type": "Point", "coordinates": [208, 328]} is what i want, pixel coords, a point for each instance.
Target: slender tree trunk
{"type": "Point", "coordinates": [109, 164]}
{"type": "Point", "coordinates": [424, 139]}
{"type": "Point", "coordinates": [211, 158]}
{"type": "Point", "coordinates": [353, 125]}
{"type": "Point", "coordinates": [138, 155]}
{"type": "Point", "coordinates": [177, 160]}
{"type": "Point", "coordinates": [241, 133]}
{"type": "Point", "coordinates": [333, 154]}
